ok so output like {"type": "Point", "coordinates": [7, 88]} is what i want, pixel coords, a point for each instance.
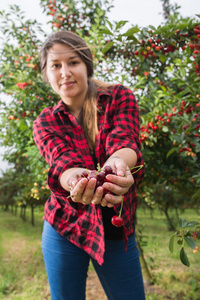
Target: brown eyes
{"type": "Point", "coordinates": [72, 63]}
{"type": "Point", "coordinates": [55, 66]}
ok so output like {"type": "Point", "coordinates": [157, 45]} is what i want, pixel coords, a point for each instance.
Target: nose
{"type": "Point", "coordinates": [65, 71]}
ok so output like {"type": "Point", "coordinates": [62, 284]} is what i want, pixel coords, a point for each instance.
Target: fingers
{"type": "Point", "coordinates": [105, 202]}
{"type": "Point", "coordinates": [118, 185]}
{"type": "Point", "coordinates": [118, 165]}
{"type": "Point", "coordinates": [89, 191]}
{"type": "Point", "coordinates": [121, 181]}
{"type": "Point", "coordinates": [97, 198]}
{"type": "Point", "coordinates": [70, 178]}
{"type": "Point", "coordinates": [110, 200]}
{"type": "Point", "coordinates": [77, 189]}
{"type": "Point", "coordinates": [83, 191]}
{"type": "Point", "coordinates": [121, 168]}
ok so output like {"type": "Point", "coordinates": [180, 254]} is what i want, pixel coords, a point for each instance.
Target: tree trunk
{"type": "Point", "coordinates": [21, 210]}
{"type": "Point", "coordinates": [32, 215]}
{"type": "Point", "coordinates": [171, 225]}
{"type": "Point", "coordinates": [177, 214]}
{"type": "Point", "coordinates": [24, 213]}
{"type": "Point", "coordinates": [151, 212]}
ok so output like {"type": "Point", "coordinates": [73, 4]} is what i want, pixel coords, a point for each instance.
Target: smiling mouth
{"type": "Point", "coordinates": [68, 84]}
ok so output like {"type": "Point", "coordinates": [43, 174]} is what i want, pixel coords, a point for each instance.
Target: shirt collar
{"type": "Point", "coordinates": [62, 107]}
{"type": "Point", "coordinates": [59, 107]}
{"type": "Point", "coordinates": [103, 92]}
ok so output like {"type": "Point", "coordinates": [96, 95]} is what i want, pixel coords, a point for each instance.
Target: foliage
{"type": "Point", "coordinates": [20, 77]}
{"type": "Point", "coordinates": [161, 65]}
{"type": "Point", "coordinates": [187, 235]}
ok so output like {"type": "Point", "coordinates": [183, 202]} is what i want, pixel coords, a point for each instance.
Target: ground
{"type": "Point", "coordinates": [94, 290]}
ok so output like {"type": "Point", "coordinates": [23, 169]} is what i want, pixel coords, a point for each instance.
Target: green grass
{"type": "Point", "coordinates": [23, 276]}
{"type": "Point", "coordinates": [170, 276]}
{"type": "Point", "coordinates": [22, 272]}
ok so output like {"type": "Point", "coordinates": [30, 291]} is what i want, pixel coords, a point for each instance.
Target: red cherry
{"type": "Point", "coordinates": [92, 175]}
{"type": "Point", "coordinates": [101, 176]}
{"type": "Point", "coordinates": [98, 184]}
{"type": "Point", "coordinates": [108, 170]}
{"type": "Point", "coordinates": [105, 191]}
{"type": "Point", "coordinates": [107, 180]}
{"type": "Point", "coordinates": [117, 221]}
{"type": "Point", "coordinates": [84, 174]}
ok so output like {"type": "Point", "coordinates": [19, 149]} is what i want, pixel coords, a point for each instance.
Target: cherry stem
{"type": "Point", "coordinates": [138, 168]}
{"type": "Point", "coordinates": [120, 212]}
{"type": "Point", "coordinates": [71, 196]}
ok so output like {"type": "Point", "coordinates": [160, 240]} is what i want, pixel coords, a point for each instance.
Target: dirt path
{"type": "Point", "coordinates": [94, 290]}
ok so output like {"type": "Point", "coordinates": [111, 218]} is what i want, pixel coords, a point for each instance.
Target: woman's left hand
{"type": "Point", "coordinates": [118, 184]}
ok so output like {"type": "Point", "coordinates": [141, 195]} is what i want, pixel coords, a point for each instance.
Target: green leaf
{"type": "Point", "coordinates": [184, 258]}
{"type": "Point", "coordinates": [106, 31]}
{"type": "Point", "coordinates": [131, 31]}
{"type": "Point", "coordinates": [165, 129]}
{"type": "Point", "coordinates": [182, 222]}
{"type": "Point", "coordinates": [182, 72]}
{"type": "Point", "coordinates": [163, 88]}
{"type": "Point", "coordinates": [192, 224]}
{"type": "Point", "coordinates": [120, 24]}
{"type": "Point", "coordinates": [163, 58]}
{"type": "Point", "coordinates": [133, 38]}
{"type": "Point", "coordinates": [109, 23]}
{"type": "Point", "coordinates": [171, 151]}
{"type": "Point", "coordinates": [190, 242]}
{"type": "Point", "coordinates": [180, 241]}
{"type": "Point", "coordinates": [171, 244]}
{"type": "Point", "coordinates": [152, 27]}
{"type": "Point", "coordinates": [107, 47]}
{"type": "Point", "coordinates": [22, 125]}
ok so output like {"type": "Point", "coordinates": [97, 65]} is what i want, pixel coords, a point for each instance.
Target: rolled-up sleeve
{"type": "Point", "coordinates": [126, 126]}
{"type": "Point", "coordinates": [59, 153]}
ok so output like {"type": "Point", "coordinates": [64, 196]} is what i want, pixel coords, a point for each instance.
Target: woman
{"type": "Point", "coordinates": [93, 123]}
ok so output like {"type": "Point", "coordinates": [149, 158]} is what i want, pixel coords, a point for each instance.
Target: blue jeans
{"type": "Point", "coordinates": [67, 267]}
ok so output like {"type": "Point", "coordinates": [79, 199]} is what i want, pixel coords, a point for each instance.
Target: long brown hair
{"type": "Point", "coordinates": [89, 111]}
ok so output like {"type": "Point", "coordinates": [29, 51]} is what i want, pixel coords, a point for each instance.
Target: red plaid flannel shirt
{"type": "Point", "coordinates": [62, 142]}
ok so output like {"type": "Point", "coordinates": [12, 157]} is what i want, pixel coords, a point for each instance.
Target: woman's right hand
{"type": "Point", "coordinates": [82, 190]}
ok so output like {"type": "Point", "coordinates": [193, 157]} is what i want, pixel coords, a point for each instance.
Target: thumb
{"type": "Point", "coordinates": [121, 168]}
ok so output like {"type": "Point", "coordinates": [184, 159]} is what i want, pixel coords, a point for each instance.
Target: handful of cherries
{"type": "Point", "coordinates": [100, 176]}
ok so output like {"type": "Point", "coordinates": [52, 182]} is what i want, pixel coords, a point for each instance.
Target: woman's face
{"type": "Point", "coordinates": [67, 75]}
